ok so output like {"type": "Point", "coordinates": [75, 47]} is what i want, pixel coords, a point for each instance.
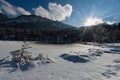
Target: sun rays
{"type": "Point", "coordinates": [93, 21]}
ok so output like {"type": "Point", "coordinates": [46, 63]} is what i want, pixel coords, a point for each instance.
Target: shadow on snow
{"type": "Point", "coordinates": [74, 58]}
{"type": "Point", "coordinates": [10, 64]}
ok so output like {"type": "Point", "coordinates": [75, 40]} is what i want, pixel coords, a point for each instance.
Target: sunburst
{"type": "Point", "coordinates": [93, 21]}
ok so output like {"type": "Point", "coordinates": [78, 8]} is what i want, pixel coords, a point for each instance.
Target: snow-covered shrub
{"type": "Point", "coordinates": [40, 56]}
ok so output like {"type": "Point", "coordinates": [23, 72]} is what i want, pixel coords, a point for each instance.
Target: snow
{"type": "Point", "coordinates": [66, 62]}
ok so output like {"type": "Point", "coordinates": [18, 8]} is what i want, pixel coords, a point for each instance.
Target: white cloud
{"type": "Point", "coordinates": [55, 12]}
{"type": "Point", "coordinates": [41, 11]}
{"type": "Point", "coordinates": [93, 21]}
{"type": "Point", "coordinates": [12, 10]}
{"type": "Point", "coordinates": [22, 11]}
{"type": "Point", "coordinates": [109, 22]}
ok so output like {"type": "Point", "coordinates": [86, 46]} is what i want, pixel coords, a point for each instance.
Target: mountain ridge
{"type": "Point", "coordinates": [32, 27]}
{"type": "Point", "coordinates": [35, 21]}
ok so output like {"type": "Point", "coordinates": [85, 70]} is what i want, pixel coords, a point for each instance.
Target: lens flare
{"type": "Point", "coordinates": [93, 21]}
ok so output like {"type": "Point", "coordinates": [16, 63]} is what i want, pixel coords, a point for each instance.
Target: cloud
{"type": "Point", "coordinates": [22, 11]}
{"type": "Point", "coordinates": [109, 22]}
{"type": "Point", "coordinates": [55, 12]}
{"type": "Point", "coordinates": [40, 11]}
{"type": "Point", "coordinates": [93, 21]}
{"type": "Point", "coordinates": [11, 10]}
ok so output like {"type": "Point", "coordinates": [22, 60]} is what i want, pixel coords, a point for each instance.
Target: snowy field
{"type": "Point", "coordinates": [67, 62]}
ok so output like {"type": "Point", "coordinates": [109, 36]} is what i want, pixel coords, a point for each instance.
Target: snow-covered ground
{"type": "Point", "coordinates": [68, 62]}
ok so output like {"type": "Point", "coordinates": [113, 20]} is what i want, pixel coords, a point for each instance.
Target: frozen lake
{"type": "Point", "coordinates": [69, 62]}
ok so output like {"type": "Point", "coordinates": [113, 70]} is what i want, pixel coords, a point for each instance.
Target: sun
{"type": "Point", "coordinates": [93, 21]}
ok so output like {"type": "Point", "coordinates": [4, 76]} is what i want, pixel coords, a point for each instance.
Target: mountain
{"type": "Point", "coordinates": [101, 33]}
{"type": "Point", "coordinates": [32, 27]}
{"type": "Point", "coordinates": [37, 28]}
{"type": "Point", "coordinates": [37, 22]}
{"type": "Point", "coordinates": [3, 17]}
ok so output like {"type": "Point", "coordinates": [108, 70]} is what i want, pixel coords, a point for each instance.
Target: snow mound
{"type": "Point", "coordinates": [74, 58]}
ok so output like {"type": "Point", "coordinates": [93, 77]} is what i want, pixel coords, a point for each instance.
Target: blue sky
{"type": "Point", "coordinates": [77, 10]}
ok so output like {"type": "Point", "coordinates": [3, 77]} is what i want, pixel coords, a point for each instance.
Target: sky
{"type": "Point", "coordinates": [73, 12]}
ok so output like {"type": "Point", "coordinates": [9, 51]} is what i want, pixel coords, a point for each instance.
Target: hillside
{"type": "Point", "coordinates": [36, 28]}
{"type": "Point", "coordinates": [34, 22]}
{"type": "Point", "coordinates": [101, 33]}
{"type": "Point", "coordinates": [3, 17]}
